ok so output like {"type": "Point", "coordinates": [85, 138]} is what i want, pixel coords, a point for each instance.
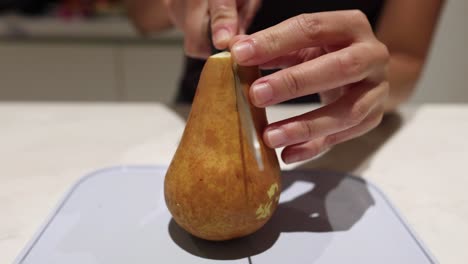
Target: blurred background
{"type": "Point", "coordinates": [87, 50]}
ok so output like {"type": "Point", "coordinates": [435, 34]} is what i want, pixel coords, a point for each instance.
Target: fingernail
{"type": "Point", "coordinates": [262, 93]}
{"type": "Point", "coordinates": [291, 158]}
{"type": "Point", "coordinates": [222, 36]}
{"type": "Point", "coordinates": [243, 51]}
{"type": "Point", "coordinates": [276, 137]}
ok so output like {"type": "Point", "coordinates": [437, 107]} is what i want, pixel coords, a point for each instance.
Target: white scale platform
{"type": "Point", "coordinates": [118, 215]}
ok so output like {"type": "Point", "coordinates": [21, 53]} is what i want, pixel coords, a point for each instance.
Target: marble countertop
{"type": "Point", "coordinates": [416, 157]}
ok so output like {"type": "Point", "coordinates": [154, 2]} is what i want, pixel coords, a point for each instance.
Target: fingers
{"type": "Point", "coordinates": [293, 58]}
{"type": "Point", "coordinates": [349, 65]}
{"type": "Point", "coordinates": [193, 17]}
{"type": "Point", "coordinates": [176, 11]}
{"type": "Point", "coordinates": [310, 149]}
{"type": "Point", "coordinates": [307, 30]}
{"type": "Point", "coordinates": [237, 38]}
{"type": "Point", "coordinates": [224, 21]}
{"type": "Point", "coordinates": [348, 111]}
{"type": "Point", "coordinates": [320, 51]}
{"type": "Point", "coordinates": [303, 151]}
{"type": "Point", "coordinates": [195, 27]}
{"type": "Point", "coordinates": [247, 10]}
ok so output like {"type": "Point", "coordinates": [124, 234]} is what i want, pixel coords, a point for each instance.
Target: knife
{"type": "Point", "coordinates": [246, 119]}
{"type": "Point", "coordinates": [243, 108]}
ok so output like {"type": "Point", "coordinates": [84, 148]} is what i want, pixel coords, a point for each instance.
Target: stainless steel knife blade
{"type": "Point", "coordinates": [246, 119]}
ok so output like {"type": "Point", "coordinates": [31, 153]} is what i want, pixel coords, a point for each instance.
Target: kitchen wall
{"type": "Point", "coordinates": [148, 71]}
{"type": "Point", "coordinates": [445, 77]}
{"type": "Point", "coordinates": [89, 71]}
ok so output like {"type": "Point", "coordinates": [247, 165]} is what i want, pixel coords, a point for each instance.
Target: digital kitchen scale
{"type": "Point", "coordinates": [118, 215]}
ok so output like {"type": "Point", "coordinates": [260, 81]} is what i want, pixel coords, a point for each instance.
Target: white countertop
{"type": "Point", "coordinates": [417, 158]}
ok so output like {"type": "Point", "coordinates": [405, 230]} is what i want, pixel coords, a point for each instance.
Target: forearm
{"type": "Point", "coordinates": [406, 28]}
{"type": "Point", "coordinates": [148, 16]}
{"type": "Point", "coordinates": [403, 74]}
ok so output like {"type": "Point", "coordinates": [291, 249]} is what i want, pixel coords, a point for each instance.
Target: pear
{"type": "Point", "coordinates": [214, 188]}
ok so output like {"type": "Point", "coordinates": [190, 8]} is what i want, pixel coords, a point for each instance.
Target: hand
{"type": "Point", "coordinates": [334, 54]}
{"type": "Point", "coordinates": [228, 18]}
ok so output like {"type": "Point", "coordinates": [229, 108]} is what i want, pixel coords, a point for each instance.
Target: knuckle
{"type": "Point", "coordinates": [379, 51]}
{"type": "Point", "coordinates": [377, 120]}
{"type": "Point", "coordinates": [358, 18]}
{"type": "Point", "coordinates": [309, 25]}
{"type": "Point", "coordinates": [304, 55]}
{"type": "Point", "coordinates": [331, 140]}
{"type": "Point", "coordinates": [315, 148]}
{"type": "Point", "coordinates": [298, 131]}
{"type": "Point", "coordinates": [306, 130]}
{"type": "Point", "coordinates": [223, 12]}
{"type": "Point", "coordinates": [292, 84]}
{"type": "Point", "coordinates": [385, 53]}
{"type": "Point", "coordinates": [358, 113]}
{"type": "Point", "coordinates": [271, 42]}
{"type": "Point", "coordinates": [374, 120]}
{"type": "Point", "coordinates": [379, 115]}
{"type": "Point", "coordinates": [352, 65]}
{"type": "Point", "coordinates": [357, 15]}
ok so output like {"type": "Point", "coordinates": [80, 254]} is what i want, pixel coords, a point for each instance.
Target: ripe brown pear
{"type": "Point", "coordinates": [213, 187]}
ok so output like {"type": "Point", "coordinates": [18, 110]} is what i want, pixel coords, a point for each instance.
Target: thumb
{"type": "Point", "coordinates": [224, 21]}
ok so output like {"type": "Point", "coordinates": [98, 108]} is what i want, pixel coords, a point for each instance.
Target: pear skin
{"type": "Point", "coordinates": [213, 187]}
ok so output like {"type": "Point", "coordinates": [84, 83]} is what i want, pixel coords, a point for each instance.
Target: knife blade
{"type": "Point", "coordinates": [243, 108]}
{"type": "Point", "coordinates": [246, 119]}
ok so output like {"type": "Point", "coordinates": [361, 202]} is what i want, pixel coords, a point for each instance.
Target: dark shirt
{"type": "Point", "coordinates": [271, 13]}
